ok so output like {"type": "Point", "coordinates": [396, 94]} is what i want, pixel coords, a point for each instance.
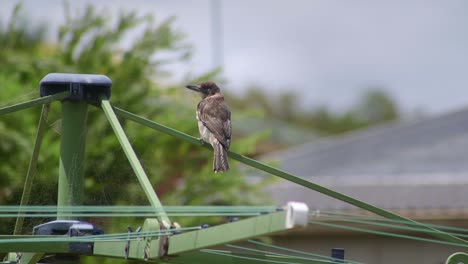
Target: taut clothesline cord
{"type": "Point", "coordinates": [293, 250]}
{"type": "Point", "coordinates": [320, 258]}
{"type": "Point", "coordinates": [348, 216]}
{"type": "Point", "coordinates": [370, 231]}
{"type": "Point", "coordinates": [119, 209]}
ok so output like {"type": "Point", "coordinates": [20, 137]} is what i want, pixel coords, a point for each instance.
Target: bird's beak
{"type": "Point", "coordinates": [193, 87]}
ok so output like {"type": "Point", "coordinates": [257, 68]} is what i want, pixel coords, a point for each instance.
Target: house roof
{"type": "Point", "coordinates": [405, 165]}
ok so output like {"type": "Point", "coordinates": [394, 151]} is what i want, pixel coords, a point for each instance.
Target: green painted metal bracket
{"type": "Point", "coordinates": [294, 215]}
{"type": "Point", "coordinates": [34, 102]}
{"type": "Point", "coordinates": [290, 177]}
{"type": "Point", "coordinates": [144, 248]}
{"type": "Point", "coordinates": [133, 159]}
{"type": "Point", "coordinates": [32, 166]}
{"type": "Point", "coordinates": [457, 258]}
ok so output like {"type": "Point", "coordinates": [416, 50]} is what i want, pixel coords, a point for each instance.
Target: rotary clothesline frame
{"type": "Point", "coordinates": [76, 91]}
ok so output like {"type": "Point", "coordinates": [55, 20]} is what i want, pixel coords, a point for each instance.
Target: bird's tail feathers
{"type": "Point", "coordinates": [220, 162]}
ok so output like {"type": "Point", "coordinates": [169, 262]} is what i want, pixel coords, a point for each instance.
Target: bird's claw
{"type": "Point", "coordinates": [202, 141]}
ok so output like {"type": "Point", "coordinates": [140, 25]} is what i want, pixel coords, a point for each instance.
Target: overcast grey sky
{"type": "Point", "coordinates": [330, 51]}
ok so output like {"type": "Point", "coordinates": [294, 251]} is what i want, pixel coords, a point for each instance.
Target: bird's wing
{"type": "Point", "coordinates": [228, 131]}
{"type": "Point", "coordinates": [215, 115]}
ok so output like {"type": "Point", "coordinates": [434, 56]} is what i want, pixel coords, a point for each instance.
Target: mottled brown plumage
{"type": "Point", "coordinates": [214, 122]}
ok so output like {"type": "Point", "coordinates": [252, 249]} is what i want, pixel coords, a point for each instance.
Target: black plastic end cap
{"type": "Point", "coordinates": [89, 87]}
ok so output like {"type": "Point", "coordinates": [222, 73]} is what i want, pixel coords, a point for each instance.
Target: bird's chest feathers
{"type": "Point", "coordinates": [205, 134]}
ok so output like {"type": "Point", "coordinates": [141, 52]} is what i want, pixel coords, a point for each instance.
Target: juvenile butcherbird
{"type": "Point", "coordinates": [214, 122]}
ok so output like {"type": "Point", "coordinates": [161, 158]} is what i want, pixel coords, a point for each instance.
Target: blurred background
{"type": "Point", "coordinates": [363, 96]}
{"type": "Point", "coordinates": [329, 52]}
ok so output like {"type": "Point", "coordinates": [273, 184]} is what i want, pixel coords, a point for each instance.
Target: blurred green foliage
{"type": "Point", "coordinates": [91, 42]}
{"type": "Point", "coordinates": [373, 107]}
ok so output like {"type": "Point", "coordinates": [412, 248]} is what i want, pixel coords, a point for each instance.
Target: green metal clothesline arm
{"type": "Point", "coordinates": [32, 166]}
{"type": "Point", "coordinates": [31, 257]}
{"type": "Point", "coordinates": [288, 176]}
{"type": "Point", "coordinates": [152, 243]}
{"type": "Point", "coordinates": [133, 159]}
{"type": "Point", "coordinates": [45, 102]}
{"type": "Point", "coordinates": [292, 216]}
{"type": "Point", "coordinates": [229, 232]}
{"type": "Point", "coordinates": [34, 102]}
